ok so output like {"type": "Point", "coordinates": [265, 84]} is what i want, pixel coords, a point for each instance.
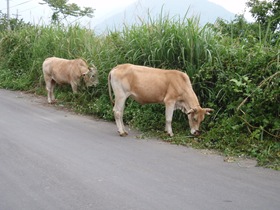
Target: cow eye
{"type": "Point", "coordinates": [195, 119]}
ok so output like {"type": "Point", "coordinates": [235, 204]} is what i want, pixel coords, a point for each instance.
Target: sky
{"type": "Point", "coordinates": [234, 6]}
{"type": "Point", "coordinates": [32, 11]}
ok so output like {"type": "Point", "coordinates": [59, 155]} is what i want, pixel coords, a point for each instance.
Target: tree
{"type": "Point", "coordinates": [267, 13]}
{"type": "Point", "coordinates": [64, 9]}
{"type": "Point", "coordinates": [236, 28]}
{"type": "Point", "coordinates": [14, 23]}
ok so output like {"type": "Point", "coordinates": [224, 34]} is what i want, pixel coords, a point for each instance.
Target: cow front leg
{"type": "Point", "coordinates": [74, 87]}
{"type": "Point", "coordinates": [169, 108]}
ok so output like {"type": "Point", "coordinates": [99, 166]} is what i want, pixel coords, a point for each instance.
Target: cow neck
{"type": "Point", "coordinates": [195, 107]}
{"type": "Point", "coordinates": [81, 72]}
{"type": "Point", "coordinates": [190, 107]}
{"type": "Point", "coordinates": [191, 101]}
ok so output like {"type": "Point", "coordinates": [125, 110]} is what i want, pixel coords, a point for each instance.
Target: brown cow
{"type": "Point", "coordinates": [63, 71]}
{"type": "Point", "coordinates": [150, 85]}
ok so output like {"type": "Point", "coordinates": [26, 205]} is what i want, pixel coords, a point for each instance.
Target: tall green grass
{"type": "Point", "coordinates": [237, 76]}
{"type": "Point", "coordinates": [169, 43]}
{"type": "Point", "coordinates": [23, 51]}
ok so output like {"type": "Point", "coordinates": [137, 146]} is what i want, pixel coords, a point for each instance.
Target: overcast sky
{"type": "Point", "coordinates": [32, 11]}
{"type": "Point", "coordinates": [234, 6]}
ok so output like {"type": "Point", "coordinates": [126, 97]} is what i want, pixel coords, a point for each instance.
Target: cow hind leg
{"type": "Point", "coordinates": [52, 91]}
{"type": "Point", "coordinates": [49, 88]}
{"type": "Point", "coordinates": [118, 114]}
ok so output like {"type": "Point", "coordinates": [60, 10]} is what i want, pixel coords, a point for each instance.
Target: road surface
{"type": "Point", "coordinates": [54, 159]}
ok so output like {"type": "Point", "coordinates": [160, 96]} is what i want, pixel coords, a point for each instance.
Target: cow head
{"type": "Point", "coordinates": [91, 76]}
{"type": "Point", "coordinates": [196, 116]}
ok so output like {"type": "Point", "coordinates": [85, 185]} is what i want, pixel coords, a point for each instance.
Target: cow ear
{"type": "Point", "coordinates": [208, 110]}
{"type": "Point", "coordinates": [92, 68]}
{"type": "Point", "coordinates": [85, 73]}
{"type": "Point", "coordinates": [190, 111]}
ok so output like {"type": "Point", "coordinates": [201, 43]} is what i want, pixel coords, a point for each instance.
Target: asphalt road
{"type": "Point", "coordinates": [53, 159]}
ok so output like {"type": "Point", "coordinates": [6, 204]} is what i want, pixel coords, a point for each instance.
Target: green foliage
{"type": "Point", "coordinates": [227, 137]}
{"type": "Point", "coordinates": [12, 23]}
{"type": "Point", "coordinates": [234, 68]}
{"type": "Point", "coordinates": [267, 13]}
{"type": "Point", "coordinates": [62, 7]}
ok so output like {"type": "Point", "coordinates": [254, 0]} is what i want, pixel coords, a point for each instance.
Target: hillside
{"type": "Point", "coordinates": [207, 11]}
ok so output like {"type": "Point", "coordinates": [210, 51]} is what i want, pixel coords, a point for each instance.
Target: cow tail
{"type": "Point", "coordinates": [110, 89]}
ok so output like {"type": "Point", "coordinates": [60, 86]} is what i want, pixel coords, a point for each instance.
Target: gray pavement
{"type": "Point", "coordinates": [54, 159]}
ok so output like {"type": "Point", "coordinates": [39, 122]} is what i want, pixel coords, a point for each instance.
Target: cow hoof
{"type": "Point", "coordinates": [170, 134]}
{"type": "Point", "coordinates": [123, 134]}
{"type": "Point", "coordinates": [52, 101]}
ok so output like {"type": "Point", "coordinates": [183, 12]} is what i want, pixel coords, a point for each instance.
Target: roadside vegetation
{"type": "Point", "coordinates": [234, 68]}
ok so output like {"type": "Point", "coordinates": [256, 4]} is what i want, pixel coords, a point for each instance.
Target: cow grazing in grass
{"type": "Point", "coordinates": [63, 71]}
{"type": "Point", "coordinates": [150, 85]}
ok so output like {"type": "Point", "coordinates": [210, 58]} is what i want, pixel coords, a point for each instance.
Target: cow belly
{"type": "Point", "coordinates": [147, 98]}
{"type": "Point", "coordinates": [61, 78]}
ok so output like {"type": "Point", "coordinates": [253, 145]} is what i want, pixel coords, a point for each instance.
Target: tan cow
{"type": "Point", "coordinates": [150, 85]}
{"type": "Point", "coordinates": [63, 71]}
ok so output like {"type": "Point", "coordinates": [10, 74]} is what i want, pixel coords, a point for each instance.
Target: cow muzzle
{"type": "Point", "coordinates": [196, 132]}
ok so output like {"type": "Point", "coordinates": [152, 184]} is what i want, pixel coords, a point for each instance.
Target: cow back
{"type": "Point", "coordinates": [150, 85]}
{"type": "Point", "coordinates": [63, 70]}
